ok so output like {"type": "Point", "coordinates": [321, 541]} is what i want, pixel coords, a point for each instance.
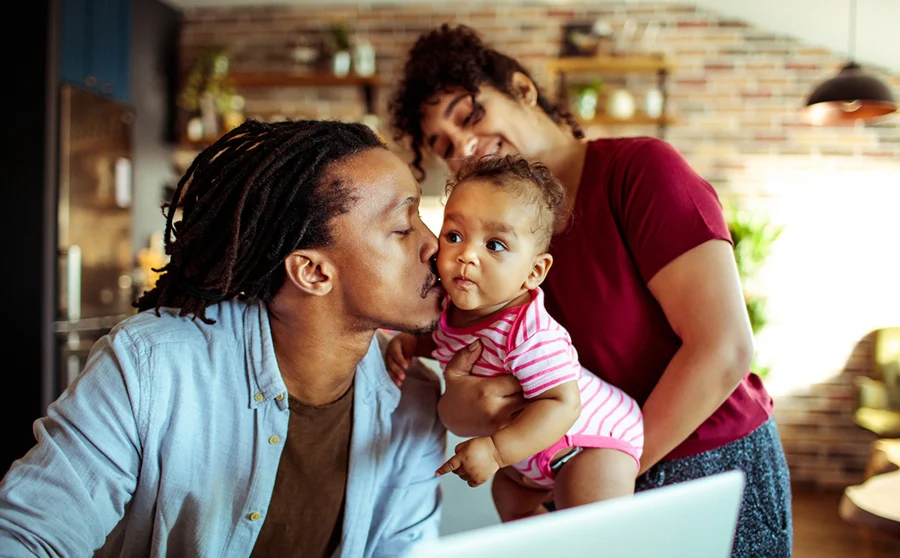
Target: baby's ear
{"type": "Point", "coordinates": [539, 268]}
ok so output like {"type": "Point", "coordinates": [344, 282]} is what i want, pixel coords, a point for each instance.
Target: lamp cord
{"type": "Point", "coordinates": [852, 35]}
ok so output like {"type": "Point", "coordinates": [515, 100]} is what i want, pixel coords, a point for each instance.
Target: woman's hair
{"type": "Point", "coordinates": [246, 203]}
{"type": "Point", "coordinates": [448, 58]}
{"type": "Point", "coordinates": [532, 180]}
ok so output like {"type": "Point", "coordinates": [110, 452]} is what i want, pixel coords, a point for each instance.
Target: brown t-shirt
{"type": "Point", "coordinates": [305, 517]}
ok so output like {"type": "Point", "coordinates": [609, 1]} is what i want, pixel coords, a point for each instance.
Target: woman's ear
{"type": "Point", "coordinates": [539, 269]}
{"type": "Point", "coordinates": [524, 89]}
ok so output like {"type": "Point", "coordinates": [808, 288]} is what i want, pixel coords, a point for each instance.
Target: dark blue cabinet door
{"type": "Point", "coordinates": [74, 44]}
{"type": "Point", "coordinates": [122, 73]}
{"type": "Point", "coordinates": [103, 29]}
{"type": "Point", "coordinates": [96, 45]}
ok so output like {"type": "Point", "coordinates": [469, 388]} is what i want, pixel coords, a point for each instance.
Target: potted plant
{"type": "Point", "coordinates": [207, 90]}
{"type": "Point", "coordinates": [340, 46]}
{"type": "Point", "coordinates": [587, 99]}
{"type": "Point", "coordinates": [753, 236]}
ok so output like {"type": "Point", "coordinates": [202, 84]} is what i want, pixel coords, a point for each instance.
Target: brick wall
{"type": "Point", "coordinates": [734, 93]}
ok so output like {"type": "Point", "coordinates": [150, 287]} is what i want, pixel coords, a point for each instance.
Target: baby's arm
{"type": "Point", "coordinates": [546, 365]}
{"type": "Point", "coordinates": [400, 351]}
{"type": "Point", "coordinates": [545, 419]}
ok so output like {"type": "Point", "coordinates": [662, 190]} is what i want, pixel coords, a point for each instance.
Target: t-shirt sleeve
{"type": "Point", "coordinates": [664, 207]}
{"type": "Point", "coordinates": [543, 361]}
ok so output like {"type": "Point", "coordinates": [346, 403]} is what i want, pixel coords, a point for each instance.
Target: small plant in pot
{"type": "Point", "coordinates": [339, 35]}
{"type": "Point", "coordinates": [208, 91]}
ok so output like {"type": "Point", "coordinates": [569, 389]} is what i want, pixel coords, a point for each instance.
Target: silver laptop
{"type": "Point", "coordinates": [695, 518]}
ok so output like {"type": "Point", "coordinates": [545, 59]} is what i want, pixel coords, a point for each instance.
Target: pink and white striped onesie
{"type": "Point", "coordinates": [527, 343]}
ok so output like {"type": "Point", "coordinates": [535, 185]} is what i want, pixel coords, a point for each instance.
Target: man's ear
{"type": "Point", "coordinates": [524, 89]}
{"type": "Point", "coordinates": [310, 271]}
{"type": "Point", "coordinates": [539, 269]}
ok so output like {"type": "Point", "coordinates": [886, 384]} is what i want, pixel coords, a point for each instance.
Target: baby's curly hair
{"type": "Point", "coordinates": [533, 180]}
{"type": "Point", "coordinates": [449, 58]}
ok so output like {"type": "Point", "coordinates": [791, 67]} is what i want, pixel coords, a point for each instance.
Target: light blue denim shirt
{"type": "Point", "coordinates": [169, 443]}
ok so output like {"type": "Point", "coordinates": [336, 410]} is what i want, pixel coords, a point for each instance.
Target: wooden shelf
{"type": "Point", "coordinates": [367, 86]}
{"type": "Point", "coordinates": [282, 79]}
{"type": "Point", "coordinates": [608, 64]}
{"type": "Point", "coordinates": [638, 119]}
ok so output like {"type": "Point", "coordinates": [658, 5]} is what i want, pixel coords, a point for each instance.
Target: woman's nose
{"type": "Point", "coordinates": [464, 144]}
{"type": "Point", "coordinates": [470, 146]}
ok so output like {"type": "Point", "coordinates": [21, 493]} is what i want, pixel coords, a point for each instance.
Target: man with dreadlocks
{"type": "Point", "coordinates": [246, 409]}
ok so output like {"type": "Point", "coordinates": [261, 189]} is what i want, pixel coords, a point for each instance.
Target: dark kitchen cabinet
{"type": "Point", "coordinates": [95, 46]}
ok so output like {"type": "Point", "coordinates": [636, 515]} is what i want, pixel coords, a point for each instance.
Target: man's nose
{"type": "Point", "coordinates": [429, 246]}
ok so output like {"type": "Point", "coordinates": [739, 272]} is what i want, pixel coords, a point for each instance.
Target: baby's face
{"type": "Point", "coordinates": [487, 247]}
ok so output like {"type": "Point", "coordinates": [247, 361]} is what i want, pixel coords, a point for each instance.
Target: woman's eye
{"type": "Point", "coordinates": [495, 246]}
{"type": "Point", "coordinates": [452, 237]}
{"type": "Point", "coordinates": [474, 116]}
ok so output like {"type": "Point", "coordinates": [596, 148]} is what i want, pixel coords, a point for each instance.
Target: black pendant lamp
{"type": "Point", "coordinates": [850, 96]}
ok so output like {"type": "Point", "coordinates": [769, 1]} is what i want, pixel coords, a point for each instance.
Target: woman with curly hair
{"type": "Point", "coordinates": [644, 278]}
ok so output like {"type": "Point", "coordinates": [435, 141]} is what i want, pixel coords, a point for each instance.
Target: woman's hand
{"type": "Point", "coordinates": [474, 405]}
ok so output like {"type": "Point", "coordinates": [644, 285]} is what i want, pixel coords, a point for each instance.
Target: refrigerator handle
{"type": "Point", "coordinates": [73, 282]}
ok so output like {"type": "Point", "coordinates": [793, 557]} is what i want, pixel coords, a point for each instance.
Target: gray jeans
{"type": "Point", "coordinates": [765, 528]}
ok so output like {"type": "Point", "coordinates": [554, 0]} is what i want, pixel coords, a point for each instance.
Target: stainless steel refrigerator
{"type": "Point", "coordinates": [94, 224]}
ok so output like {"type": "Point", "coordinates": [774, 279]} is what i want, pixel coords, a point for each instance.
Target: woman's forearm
{"type": "Point", "coordinates": [475, 405]}
{"type": "Point", "coordinates": [696, 382]}
{"type": "Point", "coordinates": [456, 413]}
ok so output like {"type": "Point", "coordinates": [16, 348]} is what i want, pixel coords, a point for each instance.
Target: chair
{"type": "Point", "coordinates": [878, 397]}
{"type": "Point", "coordinates": [874, 505]}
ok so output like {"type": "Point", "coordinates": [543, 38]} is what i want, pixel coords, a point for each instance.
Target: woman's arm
{"type": "Point", "coordinates": [474, 405]}
{"type": "Point", "coordinates": [701, 295]}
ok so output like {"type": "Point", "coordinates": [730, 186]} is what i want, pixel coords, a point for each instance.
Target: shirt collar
{"type": "Point", "coordinates": [266, 383]}
{"type": "Point", "coordinates": [372, 380]}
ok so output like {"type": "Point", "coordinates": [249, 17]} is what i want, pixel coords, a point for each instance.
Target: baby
{"type": "Point", "coordinates": [498, 220]}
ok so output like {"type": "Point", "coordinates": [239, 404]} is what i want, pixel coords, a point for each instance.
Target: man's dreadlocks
{"type": "Point", "coordinates": [246, 203]}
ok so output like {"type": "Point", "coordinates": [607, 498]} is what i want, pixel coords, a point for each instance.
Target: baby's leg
{"type": "Point", "coordinates": [593, 475]}
{"type": "Point", "coordinates": [514, 500]}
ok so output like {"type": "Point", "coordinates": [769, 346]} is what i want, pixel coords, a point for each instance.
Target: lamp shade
{"type": "Point", "coordinates": [849, 96]}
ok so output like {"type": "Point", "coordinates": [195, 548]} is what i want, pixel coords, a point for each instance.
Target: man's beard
{"type": "Point", "coordinates": [430, 281]}
{"type": "Point", "coordinates": [427, 329]}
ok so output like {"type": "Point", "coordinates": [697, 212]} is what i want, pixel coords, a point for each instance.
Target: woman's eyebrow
{"type": "Point", "coordinates": [447, 112]}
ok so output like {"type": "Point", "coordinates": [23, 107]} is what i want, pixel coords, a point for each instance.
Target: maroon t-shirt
{"type": "Point", "coordinates": [639, 206]}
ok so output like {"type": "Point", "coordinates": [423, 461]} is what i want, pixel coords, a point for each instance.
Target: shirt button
{"type": "Point", "coordinates": [274, 440]}
{"type": "Point", "coordinates": [279, 397]}
{"type": "Point", "coordinates": [259, 397]}
{"type": "Point", "coordinates": [254, 516]}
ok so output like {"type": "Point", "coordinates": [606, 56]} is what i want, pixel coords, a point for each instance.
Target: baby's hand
{"type": "Point", "coordinates": [476, 461]}
{"type": "Point", "coordinates": [397, 357]}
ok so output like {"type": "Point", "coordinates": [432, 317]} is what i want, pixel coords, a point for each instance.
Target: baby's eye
{"type": "Point", "coordinates": [495, 246]}
{"type": "Point", "coordinates": [452, 237]}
